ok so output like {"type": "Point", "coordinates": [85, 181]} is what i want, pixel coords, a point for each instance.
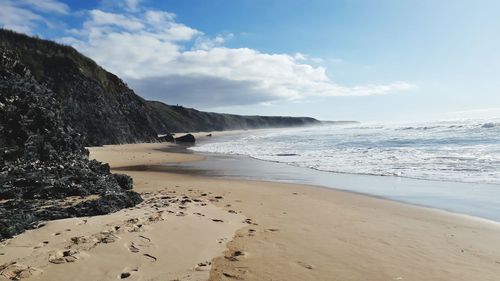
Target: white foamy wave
{"type": "Point", "coordinates": [450, 151]}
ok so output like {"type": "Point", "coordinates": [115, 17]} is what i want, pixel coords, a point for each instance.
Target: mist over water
{"type": "Point", "coordinates": [461, 151]}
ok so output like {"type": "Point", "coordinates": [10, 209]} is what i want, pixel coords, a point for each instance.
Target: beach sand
{"type": "Point", "coordinates": [248, 230]}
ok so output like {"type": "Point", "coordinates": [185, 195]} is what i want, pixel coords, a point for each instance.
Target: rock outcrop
{"type": "Point", "coordinates": [95, 103]}
{"type": "Point", "coordinates": [101, 107]}
{"type": "Point", "coordinates": [189, 138]}
{"type": "Point", "coordinates": [45, 172]}
{"type": "Point", "coordinates": [55, 101]}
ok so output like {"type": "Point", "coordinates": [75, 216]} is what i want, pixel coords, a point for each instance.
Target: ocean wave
{"type": "Point", "coordinates": [453, 152]}
{"type": "Point", "coordinates": [490, 125]}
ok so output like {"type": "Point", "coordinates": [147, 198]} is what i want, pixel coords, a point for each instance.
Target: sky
{"type": "Point", "coordinates": [365, 60]}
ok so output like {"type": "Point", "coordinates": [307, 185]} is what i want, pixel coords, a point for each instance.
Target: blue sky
{"type": "Point", "coordinates": [385, 60]}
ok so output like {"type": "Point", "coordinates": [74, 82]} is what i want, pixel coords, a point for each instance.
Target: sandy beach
{"type": "Point", "coordinates": [191, 227]}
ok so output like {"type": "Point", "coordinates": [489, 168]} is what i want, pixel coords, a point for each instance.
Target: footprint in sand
{"type": "Point", "coordinates": [234, 255]}
{"type": "Point", "coordinates": [132, 248]}
{"type": "Point", "coordinates": [305, 265]}
{"type": "Point", "coordinates": [221, 240]}
{"type": "Point", "coordinates": [232, 276]}
{"type": "Point", "coordinates": [180, 214]}
{"type": "Point", "coordinates": [156, 217]}
{"type": "Point", "coordinates": [249, 221]}
{"type": "Point", "coordinates": [134, 225]}
{"type": "Point", "coordinates": [144, 238]}
{"type": "Point", "coordinates": [136, 228]}
{"type": "Point", "coordinates": [127, 272]}
{"type": "Point", "coordinates": [106, 237]}
{"type": "Point", "coordinates": [203, 266]}
{"type": "Point", "coordinates": [63, 256]}
{"type": "Point", "coordinates": [40, 245]}
{"type": "Point", "coordinates": [76, 240]}
{"type": "Point", "coordinates": [16, 271]}
{"type": "Point", "coordinates": [150, 257]}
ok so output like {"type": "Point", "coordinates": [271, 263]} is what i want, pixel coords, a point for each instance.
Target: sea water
{"type": "Point", "coordinates": [450, 165]}
{"type": "Point", "coordinates": [457, 151]}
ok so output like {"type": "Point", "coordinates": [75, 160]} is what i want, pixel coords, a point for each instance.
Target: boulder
{"type": "Point", "coordinates": [185, 139]}
{"type": "Point", "coordinates": [124, 181]}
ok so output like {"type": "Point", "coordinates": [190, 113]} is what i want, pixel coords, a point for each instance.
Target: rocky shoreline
{"type": "Point", "coordinates": [54, 101]}
{"type": "Point", "coordinates": [45, 170]}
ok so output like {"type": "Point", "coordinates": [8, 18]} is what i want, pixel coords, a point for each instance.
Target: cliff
{"type": "Point", "coordinates": [93, 101]}
{"type": "Point", "coordinates": [45, 172]}
{"type": "Point", "coordinates": [102, 108]}
{"type": "Point", "coordinates": [181, 119]}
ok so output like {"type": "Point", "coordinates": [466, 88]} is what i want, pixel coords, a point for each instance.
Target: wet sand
{"type": "Point", "coordinates": [273, 231]}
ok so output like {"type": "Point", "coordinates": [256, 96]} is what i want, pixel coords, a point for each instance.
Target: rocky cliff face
{"type": "Point", "coordinates": [45, 172]}
{"type": "Point", "coordinates": [94, 102]}
{"type": "Point", "coordinates": [101, 107]}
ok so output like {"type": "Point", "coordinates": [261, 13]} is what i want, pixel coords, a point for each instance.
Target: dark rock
{"type": "Point", "coordinates": [43, 160]}
{"type": "Point", "coordinates": [166, 138]}
{"type": "Point", "coordinates": [95, 103]}
{"type": "Point", "coordinates": [104, 110]}
{"type": "Point", "coordinates": [124, 181]}
{"type": "Point", "coordinates": [185, 139]}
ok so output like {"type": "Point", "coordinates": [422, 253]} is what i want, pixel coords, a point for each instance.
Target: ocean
{"type": "Point", "coordinates": [448, 165]}
{"type": "Point", "coordinates": [455, 151]}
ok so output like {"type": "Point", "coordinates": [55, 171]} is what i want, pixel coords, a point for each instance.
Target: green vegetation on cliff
{"type": "Point", "coordinates": [182, 119]}
{"type": "Point", "coordinates": [101, 107]}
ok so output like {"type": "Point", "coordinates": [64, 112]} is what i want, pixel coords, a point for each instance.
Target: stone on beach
{"type": "Point", "coordinates": [189, 138]}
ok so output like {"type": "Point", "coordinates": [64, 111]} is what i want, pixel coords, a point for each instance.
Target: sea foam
{"type": "Point", "coordinates": [467, 151]}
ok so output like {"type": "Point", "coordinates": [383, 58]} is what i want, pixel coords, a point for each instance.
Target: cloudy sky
{"type": "Point", "coordinates": [370, 60]}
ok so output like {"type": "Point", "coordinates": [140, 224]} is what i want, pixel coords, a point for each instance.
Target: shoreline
{"type": "Point", "coordinates": [410, 217]}
{"type": "Point", "coordinates": [262, 231]}
{"type": "Point", "coordinates": [152, 169]}
{"type": "Point", "coordinates": [468, 199]}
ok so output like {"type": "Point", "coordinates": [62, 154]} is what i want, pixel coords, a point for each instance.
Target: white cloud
{"type": "Point", "coordinates": [25, 15]}
{"type": "Point", "coordinates": [163, 59]}
{"type": "Point", "coordinates": [307, 58]}
{"type": "Point", "coordinates": [100, 18]}
{"type": "Point", "coordinates": [17, 19]}
{"type": "Point", "coordinates": [53, 6]}
{"type": "Point", "coordinates": [207, 43]}
{"type": "Point", "coordinates": [132, 5]}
